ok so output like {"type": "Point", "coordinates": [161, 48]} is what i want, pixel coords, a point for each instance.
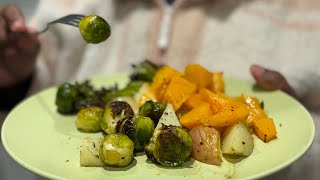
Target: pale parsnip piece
{"type": "Point", "coordinates": [168, 117]}
{"type": "Point", "coordinates": [237, 140]}
{"type": "Point", "coordinates": [89, 153]}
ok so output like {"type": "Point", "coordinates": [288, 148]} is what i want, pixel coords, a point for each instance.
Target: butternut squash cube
{"type": "Point", "coordinates": [227, 117]}
{"type": "Point", "coordinates": [217, 85]}
{"type": "Point", "coordinates": [161, 81]}
{"type": "Point", "coordinates": [193, 118]}
{"type": "Point", "coordinates": [264, 128]}
{"type": "Point", "coordinates": [194, 101]}
{"type": "Point", "coordinates": [218, 103]}
{"type": "Point", "coordinates": [178, 91]}
{"type": "Point", "coordinates": [197, 74]}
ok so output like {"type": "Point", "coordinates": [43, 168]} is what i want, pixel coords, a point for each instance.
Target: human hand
{"type": "Point", "coordinates": [271, 80]}
{"type": "Point", "coordinates": [18, 48]}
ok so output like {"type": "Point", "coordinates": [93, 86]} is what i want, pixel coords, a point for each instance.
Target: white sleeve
{"type": "Point", "coordinates": [305, 80]}
{"type": "Point", "coordinates": [61, 46]}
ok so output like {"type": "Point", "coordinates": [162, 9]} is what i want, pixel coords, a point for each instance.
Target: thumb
{"type": "Point", "coordinates": [270, 80]}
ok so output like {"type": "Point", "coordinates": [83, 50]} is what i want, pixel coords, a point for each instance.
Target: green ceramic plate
{"type": "Point", "coordinates": [47, 143]}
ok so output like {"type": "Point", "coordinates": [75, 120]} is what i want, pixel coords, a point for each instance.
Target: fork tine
{"type": "Point", "coordinates": [75, 16]}
{"type": "Point", "coordinates": [72, 19]}
{"type": "Point", "coordinates": [66, 21]}
{"type": "Point", "coordinates": [69, 17]}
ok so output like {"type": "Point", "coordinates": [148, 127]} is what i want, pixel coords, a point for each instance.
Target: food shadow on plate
{"type": "Point", "coordinates": [138, 154]}
{"type": "Point", "coordinates": [233, 159]}
{"type": "Point", "coordinates": [188, 164]}
{"type": "Point", "coordinates": [189, 168]}
{"type": "Point", "coordinates": [132, 164]}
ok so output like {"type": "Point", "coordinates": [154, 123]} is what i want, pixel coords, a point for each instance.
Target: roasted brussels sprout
{"type": "Point", "coordinates": [66, 97]}
{"type": "Point", "coordinates": [170, 146]}
{"type": "Point", "coordinates": [116, 149]}
{"type": "Point", "coordinates": [128, 91]}
{"type": "Point", "coordinates": [85, 89]}
{"type": "Point", "coordinates": [89, 96]}
{"type": "Point", "coordinates": [89, 119]}
{"type": "Point", "coordinates": [94, 29]}
{"type": "Point", "coordinates": [114, 112]}
{"type": "Point", "coordinates": [144, 71]}
{"type": "Point", "coordinates": [70, 98]}
{"type": "Point", "coordinates": [153, 110]}
{"type": "Point", "coordinates": [139, 129]}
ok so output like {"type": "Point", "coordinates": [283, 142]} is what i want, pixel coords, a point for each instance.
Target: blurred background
{"type": "Point", "coordinates": [28, 6]}
{"type": "Point", "coordinates": [9, 169]}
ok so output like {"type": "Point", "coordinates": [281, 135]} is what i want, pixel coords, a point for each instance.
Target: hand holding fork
{"type": "Point", "coordinates": [19, 44]}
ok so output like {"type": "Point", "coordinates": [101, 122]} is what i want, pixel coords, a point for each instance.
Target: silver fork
{"type": "Point", "coordinates": [72, 19]}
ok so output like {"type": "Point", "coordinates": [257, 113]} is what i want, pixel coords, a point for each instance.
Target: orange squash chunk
{"type": "Point", "coordinates": [264, 128]}
{"type": "Point", "coordinates": [161, 81]}
{"type": "Point", "coordinates": [251, 101]}
{"type": "Point", "coordinates": [255, 110]}
{"type": "Point", "coordinates": [237, 101]}
{"type": "Point", "coordinates": [227, 117]}
{"type": "Point", "coordinates": [218, 103]}
{"type": "Point", "coordinates": [193, 118]}
{"type": "Point", "coordinates": [262, 125]}
{"type": "Point", "coordinates": [178, 91]}
{"type": "Point", "coordinates": [197, 74]}
{"type": "Point", "coordinates": [193, 101]}
{"type": "Point", "coordinates": [217, 85]}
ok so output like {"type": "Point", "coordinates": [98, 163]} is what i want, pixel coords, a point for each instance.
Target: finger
{"type": "Point", "coordinates": [9, 51]}
{"type": "Point", "coordinates": [28, 33]}
{"type": "Point", "coordinates": [267, 79]}
{"type": "Point", "coordinates": [22, 43]}
{"type": "Point", "coordinates": [14, 18]}
{"type": "Point", "coordinates": [28, 45]}
{"type": "Point", "coordinates": [270, 80]}
{"type": "Point", "coordinates": [3, 32]}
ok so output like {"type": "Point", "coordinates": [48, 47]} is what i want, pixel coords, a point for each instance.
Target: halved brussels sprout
{"type": "Point", "coordinates": [153, 110]}
{"type": "Point", "coordinates": [139, 129]}
{"type": "Point", "coordinates": [94, 29]}
{"type": "Point", "coordinates": [114, 112]}
{"type": "Point", "coordinates": [89, 119]}
{"type": "Point", "coordinates": [116, 149]}
{"type": "Point", "coordinates": [170, 146]}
